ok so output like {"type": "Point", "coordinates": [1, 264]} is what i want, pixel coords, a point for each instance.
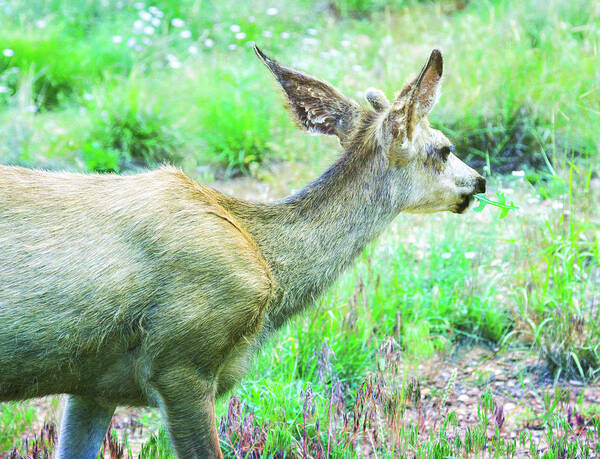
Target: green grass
{"type": "Point", "coordinates": [81, 90]}
{"type": "Point", "coordinates": [235, 126]}
{"type": "Point", "coordinates": [520, 81]}
{"type": "Point", "coordinates": [130, 128]}
{"type": "Point", "coordinates": [15, 418]}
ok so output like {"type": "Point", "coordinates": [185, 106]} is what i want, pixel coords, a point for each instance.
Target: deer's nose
{"type": "Point", "coordinates": [479, 185]}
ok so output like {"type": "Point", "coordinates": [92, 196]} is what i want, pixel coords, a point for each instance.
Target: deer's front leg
{"type": "Point", "coordinates": [84, 424]}
{"type": "Point", "coordinates": [188, 404]}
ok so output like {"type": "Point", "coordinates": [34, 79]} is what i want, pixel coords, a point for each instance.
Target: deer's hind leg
{"type": "Point", "coordinates": [187, 402]}
{"type": "Point", "coordinates": [83, 426]}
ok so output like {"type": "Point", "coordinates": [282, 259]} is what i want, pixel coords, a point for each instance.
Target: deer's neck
{"type": "Point", "coordinates": [309, 238]}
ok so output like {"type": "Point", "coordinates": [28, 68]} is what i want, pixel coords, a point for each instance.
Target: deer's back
{"type": "Point", "coordinates": [96, 269]}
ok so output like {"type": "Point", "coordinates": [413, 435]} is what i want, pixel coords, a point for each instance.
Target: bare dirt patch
{"type": "Point", "coordinates": [524, 393]}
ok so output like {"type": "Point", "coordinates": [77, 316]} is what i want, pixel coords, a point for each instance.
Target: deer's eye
{"type": "Point", "coordinates": [446, 150]}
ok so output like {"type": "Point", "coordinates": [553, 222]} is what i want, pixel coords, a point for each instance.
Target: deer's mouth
{"type": "Point", "coordinates": [463, 205]}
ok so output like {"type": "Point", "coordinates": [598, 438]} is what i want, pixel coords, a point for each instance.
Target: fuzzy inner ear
{"type": "Point", "coordinates": [316, 105]}
{"type": "Point", "coordinates": [424, 91]}
{"type": "Point", "coordinates": [377, 99]}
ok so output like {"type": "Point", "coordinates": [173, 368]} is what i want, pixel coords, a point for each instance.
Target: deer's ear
{"type": "Point", "coordinates": [316, 106]}
{"type": "Point", "coordinates": [424, 91]}
{"type": "Point", "coordinates": [377, 99]}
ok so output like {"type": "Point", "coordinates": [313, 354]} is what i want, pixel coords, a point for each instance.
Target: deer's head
{"type": "Point", "coordinates": [415, 161]}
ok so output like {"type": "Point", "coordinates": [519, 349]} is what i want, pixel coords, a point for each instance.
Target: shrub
{"type": "Point", "coordinates": [61, 66]}
{"type": "Point", "coordinates": [235, 124]}
{"type": "Point", "coordinates": [566, 298]}
{"type": "Point", "coordinates": [570, 344]}
{"type": "Point", "coordinates": [99, 159]}
{"type": "Point", "coordinates": [503, 144]}
{"type": "Point", "coordinates": [130, 131]}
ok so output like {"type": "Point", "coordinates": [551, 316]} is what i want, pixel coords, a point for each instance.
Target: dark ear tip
{"type": "Point", "coordinates": [258, 52]}
{"type": "Point", "coordinates": [263, 57]}
{"type": "Point", "coordinates": [436, 59]}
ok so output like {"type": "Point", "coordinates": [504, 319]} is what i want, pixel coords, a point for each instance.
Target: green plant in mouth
{"type": "Point", "coordinates": [501, 203]}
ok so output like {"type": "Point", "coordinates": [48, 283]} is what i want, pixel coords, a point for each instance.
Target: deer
{"type": "Point", "coordinates": [154, 290]}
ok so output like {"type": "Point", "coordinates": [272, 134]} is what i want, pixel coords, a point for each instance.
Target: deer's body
{"type": "Point", "coordinates": [154, 290]}
{"type": "Point", "coordinates": [96, 288]}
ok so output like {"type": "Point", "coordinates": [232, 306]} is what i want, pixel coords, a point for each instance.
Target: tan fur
{"type": "Point", "coordinates": [153, 290]}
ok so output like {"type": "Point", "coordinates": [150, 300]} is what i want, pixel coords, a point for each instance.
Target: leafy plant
{"type": "Point", "coordinates": [61, 66]}
{"type": "Point", "coordinates": [131, 131]}
{"type": "Point", "coordinates": [500, 203]}
{"type": "Point", "coordinates": [99, 159]}
{"type": "Point", "coordinates": [235, 124]}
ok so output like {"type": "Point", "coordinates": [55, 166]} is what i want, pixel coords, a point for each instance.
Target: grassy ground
{"type": "Point", "coordinates": [384, 364]}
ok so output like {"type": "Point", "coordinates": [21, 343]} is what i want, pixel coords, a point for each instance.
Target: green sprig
{"type": "Point", "coordinates": [501, 203]}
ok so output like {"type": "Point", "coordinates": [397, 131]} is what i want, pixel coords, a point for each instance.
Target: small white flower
{"type": "Point", "coordinates": [3, 89]}
{"type": "Point", "coordinates": [146, 41]}
{"type": "Point", "coordinates": [446, 255]}
{"type": "Point", "coordinates": [155, 22]}
{"type": "Point", "coordinates": [518, 173]}
{"type": "Point", "coordinates": [310, 41]}
{"type": "Point", "coordinates": [193, 49]}
{"type": "Point", "coordinates": [272, 11]}
{"type": "Point", "coordinates": [251, 19]}
{"type": "Point", "coordinates": [176, 22]}
{"type": "Point", "coordinates": [557, 205]}
{"type": "Point", "coordinates": [138, 47]}
{"type": "Point", "coordinates": [240, 35]}
{"type": "Point", "coordinates": [334, 52]}
{"type": "Point", "coordinates": [285, 35]}
{"type": "Point", "coordinates": [185, 34]}
{"type": "Point", "coordinates": [155, 11]}
{"type": "Point", "coordinates": [8, 52]}
{"type": "Point", "coordinates": [234, 28]}
{"type": "Point", "coordinates": [138, 26]}
{"type": "Point", "coordinates": [145, 15]}
{"type": "Point", "coordinates": [40, 23]}
{"type": "Point", "coordinates": [267, 33]}
{"type": "Point", "coordinates": [148, 30]}
{"type": "Point", "coordinates": [31, 108]}
{"type": "Point", "coordinates": [139, 5]}
{"type": "Point", "coordinates": [470, 255]}
{"type": "Point", "coordinates": [345, 43]}
{"type": "Point", "coordinates": [312, 31]}
{"type": "Point", "coordinates": [131, 42]}
{"type": "Point", "coordinates": [117, 39]}
{"type": "Point", "coordinates": [209, 42]}
{"type": "Point", "coordinates": [232, 47]}
{"type": "Point", "coordinates": [87, 96]}
{"type": "Point", "coordinates": [173, 61]}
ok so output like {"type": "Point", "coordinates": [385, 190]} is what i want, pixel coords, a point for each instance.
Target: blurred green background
{"type": "Point", "coordinates": [121, 86]}
{"type": "Point", "coordinates": [114, 85]}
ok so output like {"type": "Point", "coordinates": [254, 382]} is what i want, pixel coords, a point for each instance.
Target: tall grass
{"type": "Point", "coordinates": [520, 78]}
{"type": "Point", "coordinates": [520, 92]}
{"type": "Point", "coordinates": [234, 124]}
{"type": "Point", "coordinates": [130, 128]}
